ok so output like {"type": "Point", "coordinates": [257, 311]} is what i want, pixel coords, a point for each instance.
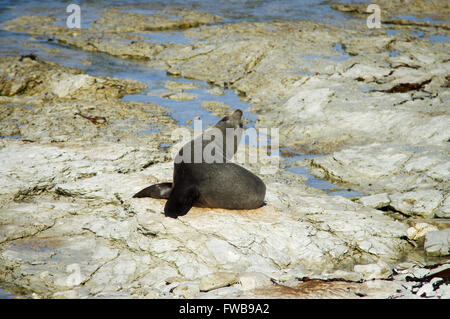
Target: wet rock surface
{"type": "Point", "coordinates": [70, 104]}
{"type": "Point", "coordinates": [399, 11]}
{"type": "Point", "coordinates": [168, 19]}
{"type": "Point", "coordinates": [412, 181]}
{"type": "Point", "coordinates": [375, 104]}
{"type": "Point", "coordinates": [27, 76]}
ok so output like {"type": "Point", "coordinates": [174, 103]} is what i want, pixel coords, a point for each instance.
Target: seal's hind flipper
{"type": "Point", "coordinates": [159, 191]}
{"type": "Point", "coordinates": [181, 200]}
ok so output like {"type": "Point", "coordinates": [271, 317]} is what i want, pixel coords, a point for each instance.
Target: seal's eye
{"type": "Point", "coordinates": [226, 118]}
{"type": "Point", "coordinates": [241, 125]}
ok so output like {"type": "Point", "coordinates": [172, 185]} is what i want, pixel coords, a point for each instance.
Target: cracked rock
{"type": "Point", "coordinates": [217, 280]}
{"type": "Point", "coordinates": [437, 243]}
{"type": "Point", "coordinates": [379, 270]}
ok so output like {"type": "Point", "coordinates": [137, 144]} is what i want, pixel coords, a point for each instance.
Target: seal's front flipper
{"type": "Point", "coordinates": [159, 191]}
{"type": "Point", "coordinates": [181, 200]}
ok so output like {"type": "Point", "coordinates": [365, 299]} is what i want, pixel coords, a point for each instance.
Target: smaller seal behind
{"type": "Point", "coordinates": [214, 181]}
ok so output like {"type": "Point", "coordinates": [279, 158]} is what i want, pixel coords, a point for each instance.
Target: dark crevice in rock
{"type": "Point", "coordinates": [148, 164]}
{"type": "Point", "coordinates": [392, 210]}
{"type": "Point", "coordinates": [406, 87]}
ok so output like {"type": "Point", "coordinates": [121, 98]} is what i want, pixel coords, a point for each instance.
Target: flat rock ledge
{"type": "Point", "coordinates": [69, 227]}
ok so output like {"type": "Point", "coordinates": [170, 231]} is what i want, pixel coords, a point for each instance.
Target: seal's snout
{"type": "Point", "coordinates": [234, 119]}
{"type": "Point", "coordinates": [237, 114]}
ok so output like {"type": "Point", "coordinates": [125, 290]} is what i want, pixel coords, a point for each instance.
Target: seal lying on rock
{"type": "Point", "coordinates": [203, 175]}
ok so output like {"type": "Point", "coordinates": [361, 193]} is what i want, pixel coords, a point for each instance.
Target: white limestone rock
{"type": "Point", "coordinates": [444, 210]}
{"type": "Point", "coordinates": [217, 280]}
{"type": "Point", "coordinates": [253, 280]}
{"type": "Point", "coordinates": [420, 202]}
{"type": "Point", "coordinates": [419, 230]}
{"type": "Point", "coordinates": [437, 243]}
{"type": "Point", "coordinates": [188, 290]}
{"type": "Point", "coordinates": [375, 201]}
{"type": "Point", "coordinates": [379, 270]}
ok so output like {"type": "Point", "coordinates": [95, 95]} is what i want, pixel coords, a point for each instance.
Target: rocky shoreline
{"type": "Point", "coordinates": [374, 104]}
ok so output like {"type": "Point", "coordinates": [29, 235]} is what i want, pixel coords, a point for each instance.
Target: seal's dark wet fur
{"type": "Point", "coordinates": [215, 185]}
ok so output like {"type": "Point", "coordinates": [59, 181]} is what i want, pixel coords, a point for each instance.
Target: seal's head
{"type": "Point", "coordinates": [231, 127]}
{"type": "Point", "coordinates": [233, 120]}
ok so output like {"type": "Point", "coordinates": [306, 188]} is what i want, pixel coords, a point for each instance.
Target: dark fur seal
{"type": "Point", "coordinates": [213, 181]}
